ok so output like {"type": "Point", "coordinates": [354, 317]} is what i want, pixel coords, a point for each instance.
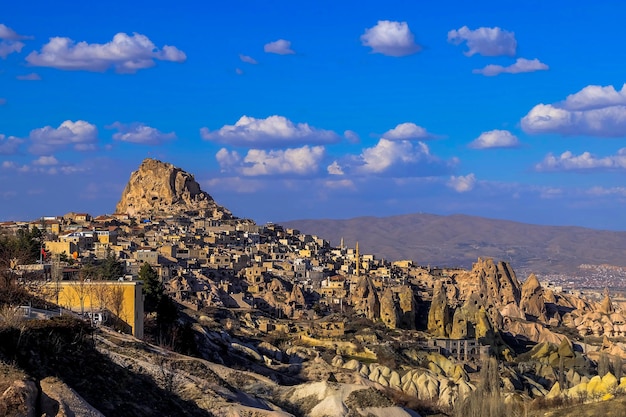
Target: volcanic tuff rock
{"type": "Point", "coordinates": [159, 188]}
{"type": "Point", "coordinates": [533, 302]}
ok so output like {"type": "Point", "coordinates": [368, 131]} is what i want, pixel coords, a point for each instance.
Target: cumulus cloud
{"type": "Point", "coordinates": [391, 158]}
{"type": "Point", "coordinates": [247, 59]}
{"type": "Point", "coordinates": [9, 145]}
{"type": "Point", "coordinates": [351, 136]}
{"type": "Point", "coordinates": [485, 41]}
{"type": "Point", "coordinates": [126, 54]}
{"type": "Point", "coordinates": [595, 97]}
{"type": "Point", "coordinates": [9, 34]}
{"type": "Point", "coordinates": [407, 131]}
{"type": "Point", "coordinates": [462, 184]}
{"type": "Point", "coordinates": [390, 38]}
{"type": "Point", "coordinates": [602, 122]}
{"type": "Point", "coordinates": [299, 161]}
{"type": "Point", "coordinates": [280, 47]}
{"type": "Point", "coordinates": [269, 132]}
{"type": "Point", "coordinates": [9, 47]}
{"type": "Point", "coordinates": [387, 153]}
{"type": "Point", "coordinates": [495, 139]}
{"type": "Point", "coordinates": [227, 159]}
{"type": "Point", "coordinates": [334, 169]}
{"type": "Point", "coordinates": [520, 66]}
{"type": "Point", "coordinates": [46, 160]}
{"type": "Point", "coordinates": [593, 111]}
{"type": "Point", "coordinates": [29, 77]}
{"type": "Point", "coordinates": [140, 133]}
{"type": "Point", "coordinates": [80, 135]}
{"type": "Point", "coordinates": [10, 41]}
{"type": "Point", "coordinates": [567, 161]}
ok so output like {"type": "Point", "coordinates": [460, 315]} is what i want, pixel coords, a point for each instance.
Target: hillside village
{"type": "Point", "coordinates": [280, 298]}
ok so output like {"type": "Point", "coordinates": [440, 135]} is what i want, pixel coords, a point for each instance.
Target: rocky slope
{"type": "Point", "coordinates": [159, 188]}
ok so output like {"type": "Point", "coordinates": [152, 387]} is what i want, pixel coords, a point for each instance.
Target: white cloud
{"type": "Point", "coordinates": [602, 122]}
{"type": "Point", "coordinates": [9, 145]}
{"type": "Point", "coordinates": [595, 97]}
{"type": "Point", "coordinates": [343, 184]}
{"type": "Point", "coordinates": [299, 161]}
{"type": "Point", "coordinates": [567, 161]}
{"type": "Point", "coordinates": [238, 71]}
{"type": "Point", "coordinates": [407, 131]}
{"type": "Point", "coordinates": [495, 139]}
{"type": "Point", "coordinates": [280, 47]}
{"type": "Point", "coordinates": [29, 77]}
{"type": "Point", "coordinates": [390, 38]}
{"type": "Point", "coordinates": [602, 191]}
{"type": "Point", "coordinates": [392, 158]}
{"type": "Point", "coordinates": [227, 159]}
{"type": "Point", "coordinates": [140, 133]}
{"type": "Point", "coordinates": [126, 54]}
{"type": "Point", "coordinates": [485, 41]}
{"type": "Point", "coordinates": [387, 153]}
{"type": "Point", "coordinates": [462, 183]}
{"type": "Point", "coordinates": [272, 131]}
{"type": "Point", "coordinates": [334, 169]}
{"type": "Point", "coordinates": [9, 47]}
{"type": "Point", "coordinates": [46, 160]}
{"type": "Point", "coordinates": [247, 59]}
{"type": "Point", "coordinates": [10, 41]}
{"type": "Point", "coordinates": [593, 111]}
{"type": "Point", "coordinates": [9, 34]}
{"type": "Point", "coordinates": [81, 135]}
{"type": "Point", "coordinates": [3, 101]}
{"type": "Point", "coordinates": [351, 136]}
{"type": "Point", "coordinates": [520, 66]}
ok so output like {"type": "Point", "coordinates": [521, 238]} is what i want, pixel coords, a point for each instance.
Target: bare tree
{"type": "Point", "coordinates": [115, 299]}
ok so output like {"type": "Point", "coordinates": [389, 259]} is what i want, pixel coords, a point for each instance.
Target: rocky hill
{"type": "Point", "coordinates": [160, 188]}
{"type": "Point", "coordinates": [458, 240]}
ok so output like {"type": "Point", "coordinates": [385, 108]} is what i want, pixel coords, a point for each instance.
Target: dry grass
{"type": "Point", "coordinates": [611, 408]}
{"type": "Point", "coordinates": [10, 316]}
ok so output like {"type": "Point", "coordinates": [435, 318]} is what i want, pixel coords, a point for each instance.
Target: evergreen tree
{"type": "Point", "coordinates": [152, 287]}
{"type": "Point", "coordinates": [111, 268]}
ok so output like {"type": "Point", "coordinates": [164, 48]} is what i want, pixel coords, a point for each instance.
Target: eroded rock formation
{"type": "Point", "coordinates": [159, 188]}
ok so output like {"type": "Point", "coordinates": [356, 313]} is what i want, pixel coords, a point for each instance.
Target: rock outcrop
{"type": "Point", "coordinates": [365, 299]}
{"type": "Point", "coordinates": [388, 312]}
{"type": "Point", "coordinates": [159, 188]}
{"type": "Point", "coordinates": [532, 302]}
{"type": "Point", "coordinates": [439, 320]}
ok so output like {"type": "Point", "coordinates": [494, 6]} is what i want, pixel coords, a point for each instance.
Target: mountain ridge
{"type": "Point", "coordinates": [458, 239]}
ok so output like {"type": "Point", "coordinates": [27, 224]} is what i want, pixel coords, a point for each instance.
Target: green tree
{"type": "Point", "coordinates": [152, 287]}
{"type": "Point", "coordinates": [111, 268]}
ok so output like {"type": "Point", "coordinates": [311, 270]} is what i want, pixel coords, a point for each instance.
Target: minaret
{"type": "Point", "coordinates": [341, 244]}
{"type": "Point", "coordinates": [358, 260]}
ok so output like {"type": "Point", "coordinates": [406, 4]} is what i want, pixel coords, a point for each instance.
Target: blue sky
{"type": "Point", "coordinates": [285, 110]}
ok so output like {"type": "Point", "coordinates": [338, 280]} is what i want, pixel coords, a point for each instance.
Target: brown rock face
{"type": "Point", "coordinates": [407, 307]}
{"type": "Point", "coordinates": [388, 312]}
{"type": "Point", "coordinates": [365, 299]}
{"type": "Point", "coordinates": [532, 302]}
{"type": "Point", "coordinates": [439, 320]}
{"type": "Point", "coordinates": [159, 188]}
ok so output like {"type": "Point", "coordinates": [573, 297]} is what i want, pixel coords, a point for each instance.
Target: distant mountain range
{"type": "Point", "coordinates": [458, 240]}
